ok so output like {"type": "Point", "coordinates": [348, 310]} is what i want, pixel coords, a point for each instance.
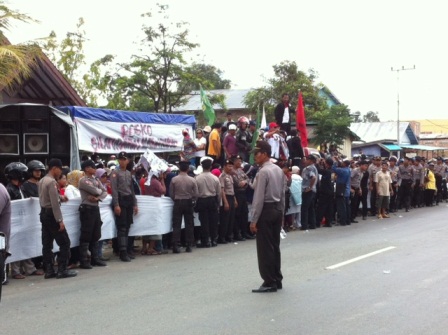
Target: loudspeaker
{"type": "Point", "coordinates": [10, 113]}
{"type": "Point", "coordinates": [9, 127]}
{"type": "Point", "coordinates": [9, 144]}
{"type": "Point", "coordinates": [35, 143]}
{"type": "Point", "coordinates": [35, 126]}
{"type": "Point", "coordinates": [35, 112]}
{"type": "Point", "coordinates": [59, 136]}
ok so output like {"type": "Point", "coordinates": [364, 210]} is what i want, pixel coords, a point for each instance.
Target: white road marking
{"type": "Point", "coordinates": [332, 267]}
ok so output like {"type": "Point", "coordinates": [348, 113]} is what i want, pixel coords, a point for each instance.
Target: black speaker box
{"type": "Point", "coordinates": [59, 136]}
{"type": "Point", "coordinates": [35, 113]}
{"type": "Point", "coordinates": [9, 144]}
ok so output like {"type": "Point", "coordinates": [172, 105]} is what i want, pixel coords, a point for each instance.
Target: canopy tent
{"type": "Point", "coordinates": [109, 131]}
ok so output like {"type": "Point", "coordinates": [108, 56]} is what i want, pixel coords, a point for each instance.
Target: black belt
{"type": "Point", "coordinates": [270, 204]}
{"type": "Point", "coordinates": [47, 210]}
{"type": "Point", "coordinates": [89, 207]}
{"type": "Point", "coordinates": [180, 200]}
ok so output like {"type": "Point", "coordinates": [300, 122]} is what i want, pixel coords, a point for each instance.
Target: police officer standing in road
{"type": "Point", "coordinates": [53, 228]}
{"type": "Point", "coordinates": [183, 191]}
{"type": "Point", "coordinates": [124, 203]}
{"type": "Point", "coordinates": [267, 216]}
{"type": "Point", "coordinates": [92, 191]}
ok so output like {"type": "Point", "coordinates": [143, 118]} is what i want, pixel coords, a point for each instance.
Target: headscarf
{"type": "Point", "coordinates": [99, 173]}
{"type": "Point", "coordinates": [74, 177]}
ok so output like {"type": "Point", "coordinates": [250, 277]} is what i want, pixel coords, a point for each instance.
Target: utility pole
{"type": "Point", "coordinates": [398, 70]}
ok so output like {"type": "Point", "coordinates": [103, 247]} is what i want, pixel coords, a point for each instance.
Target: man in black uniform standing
{"type": "Point", "coordinates": [124, 203]}
{"type": "Point", "coordinates": [92, 191]}
{"type": "Point", "coordinates": [53, 228]}
{"type": "Point", "coordinates": [267, 215]}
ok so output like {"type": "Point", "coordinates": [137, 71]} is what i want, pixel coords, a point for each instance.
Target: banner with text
{"type": "Point", "coordinates": [110, 137]}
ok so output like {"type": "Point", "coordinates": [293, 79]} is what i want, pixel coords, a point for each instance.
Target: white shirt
{"type": "Point", "coordinates": [72, 192]}
{"type": "Point", "coordinates": [274, 142]}
{"type": "Point", "coordinates": [286, 115]}
{"type": "Point", "coordinates": [199, 142]}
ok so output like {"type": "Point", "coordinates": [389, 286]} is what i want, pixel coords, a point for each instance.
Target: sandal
{"type": "Point", "coordinates": [153, 252]}
{"type": "Point", "coordinates": [37, 273]}
{"type": "Point", "coordinates": [19, 276]}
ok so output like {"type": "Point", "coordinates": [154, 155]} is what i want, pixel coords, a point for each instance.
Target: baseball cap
{"type": "Point", "coordinates": [273, 125]}
{"type": "Point", "coordinates": [122, 155]}
{"type": "Point", "coordinates": [232, 127]}
{"type": "Point", "coordinates": [207, 129]}
{"type": "Point", "coordinates": [87, 163]}
{"type": "Point", "coordinates": [262, 146]}
{"type": "Point", "coordinates": [228, 161]}
{"type": "Point", "coordinates": [252, 123]}
{"type": "Point", "coordinates": [55, 162]}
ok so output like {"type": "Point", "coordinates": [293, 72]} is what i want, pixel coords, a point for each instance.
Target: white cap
{"type": "Point", "coordinates": [232, 127]}
{"type": "Point", "coordinates": [205, 158]}
{"type": "Point", "coordinates": [295, 169]}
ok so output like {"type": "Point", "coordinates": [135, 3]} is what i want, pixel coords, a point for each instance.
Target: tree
{"type": "Point", "coordinates": [371, 117]}
{"type": "Point", "coordinates": [90, 83]}
{"type": "Point", "coordinates": [287, 79]}
{"type": "Point", "coordinates": [211, 77]}
{"type": "Point", "coordinates": [16, 61]}
{"type": "Point", "coordinates": [332, 125]}
{"type": "Point", "coordinates": [158, 78]}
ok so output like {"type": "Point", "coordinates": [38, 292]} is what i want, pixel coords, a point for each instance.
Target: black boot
{"type": "Point", "coordinates": [123, 245]}
{"type": "Point", "coordinates": [96, 261]}
{"type": "Point", "coordinates": [64, 273]}
{"type": "Point", "coordinates": [85, 259]}
{"type": "Point", "coordinates": [49, 271]}
{"type": "Point", "coordinates": [124, 256]}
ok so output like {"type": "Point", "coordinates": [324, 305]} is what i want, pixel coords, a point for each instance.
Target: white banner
{"type": "Point", "coordinates": [111, 137]}
{"type": "Point", "coordinates": [154, 218]}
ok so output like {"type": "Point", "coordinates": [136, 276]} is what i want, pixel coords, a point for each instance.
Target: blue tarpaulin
{"type": "Point", "coordinates": [102, 114]}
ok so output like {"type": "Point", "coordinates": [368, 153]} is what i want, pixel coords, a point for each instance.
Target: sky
{"type": "Point", "coordinates": [352, 44]}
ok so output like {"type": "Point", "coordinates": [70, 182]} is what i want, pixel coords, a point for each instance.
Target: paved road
{"type": "Point", "coordinates": [400, 291]}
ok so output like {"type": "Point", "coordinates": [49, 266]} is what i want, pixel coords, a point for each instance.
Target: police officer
{"type": "Point", "coordinates": [267, 215]}
{"type": "Point", "coordinates": [209, 198]}
{"type": "Point", "coordinates": [36, 171]}
{"type": "Point", "coordinates": [229, 203]}
{"type": "Point", "coordinates": [124, 203]}
{"type": "Point", "coordinates": [184, 191]}
{"type": "Point", "coordinates": [53, 228]}
{"type": "Point", "coordinates": [92, 191]}
{"type": "Point", "coordinates": [240, 184]}
{"type": "Point", "coordinates": [406, 182]}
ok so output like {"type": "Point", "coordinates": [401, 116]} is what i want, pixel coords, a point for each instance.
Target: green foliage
{"type": "Point", "coordinates": [371, 117]}
{"type": "Point", "coordinates": [16, 61]}
{"type": "Point", "coordinates": [287, 79]}
{"type": "Point", "coordinates": [332, 125]}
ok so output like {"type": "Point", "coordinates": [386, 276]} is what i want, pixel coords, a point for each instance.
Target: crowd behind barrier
{"type": "Point", "coordinates": [154, 218]}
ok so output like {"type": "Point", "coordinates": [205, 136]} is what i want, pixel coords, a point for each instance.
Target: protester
{"type": "Point", "coordinates": [383, 186]}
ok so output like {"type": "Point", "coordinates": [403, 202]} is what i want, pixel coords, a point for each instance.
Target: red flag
{"type": "Point", "coordinates": [301, 122]}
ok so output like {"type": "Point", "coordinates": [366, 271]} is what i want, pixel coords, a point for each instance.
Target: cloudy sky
{"type": "Point", "coordinates": [351, 44]}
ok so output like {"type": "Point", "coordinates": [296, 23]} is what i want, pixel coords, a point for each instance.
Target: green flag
{"type": "Point", "coordinates": [209, 113]}
{"type": "Point", "coordinates": [255, 137]}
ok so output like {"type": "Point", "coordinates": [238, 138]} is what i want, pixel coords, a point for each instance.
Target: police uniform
{"type": "Point", "coordinates": [123, 196]}
{"type": "Point", "coordinates": [227, 217]}
{"type": "Point", "coordinates": [207, 205]}
{"type": "Point", "coordinates": [89, 215]}
{"type": "Point", "coordinates": [267, 213]}
{"type": "Point", "coordinates": [183, 191]}
{"type": "Point", "coordinates": [51, 218]}
{"type": "Point", "coordinates": [240, 227]}
{"type": "Point", "coordinates": [406, 182]}
{"type": "Point", "coordinates": [419, 183]}
{"type": "Point", "coordinates": [373, 170]}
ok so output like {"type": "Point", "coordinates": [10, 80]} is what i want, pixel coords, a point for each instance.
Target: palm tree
{"type": "Point", "coordinates": [16, 61]}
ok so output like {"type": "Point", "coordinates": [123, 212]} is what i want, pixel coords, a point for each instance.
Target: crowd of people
{"type": "Point", "coordinates": [215, 181]}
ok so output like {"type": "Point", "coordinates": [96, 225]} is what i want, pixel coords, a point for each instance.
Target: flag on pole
{"type": "Point", "coordinates": [255, 136]}
{"type": "Point", "coordinates": [209, 113]}
{"type": "Point", "coordinates": [263, 120]}
{"type": "Point", "coordinates": [301, 122]}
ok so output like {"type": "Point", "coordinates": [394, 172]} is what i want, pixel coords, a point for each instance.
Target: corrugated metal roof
{"type": "Point", "coordinates": [383, 132]}
{"type": "Point", "coordinates": [422, 147]}
{"type": "Point", "coordinates": [234, 100]}
{"type": "Point", "coordinates": [391, 147]}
